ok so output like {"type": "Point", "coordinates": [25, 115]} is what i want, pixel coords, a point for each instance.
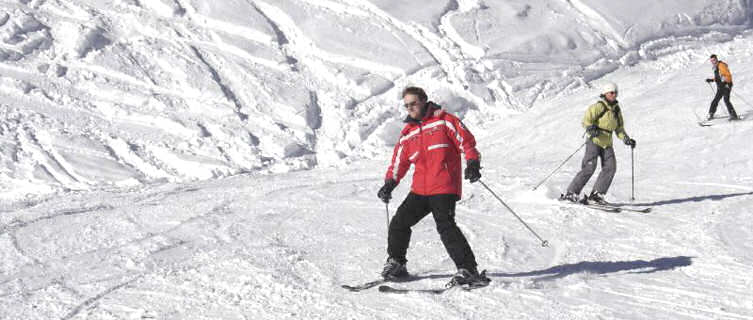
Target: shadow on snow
{"type": "Point", "coordinates": [636, 266]}
{"type": "Point", "coordinates": [714, 197]}
{"type": "Point", "coordinates": [600, 267]}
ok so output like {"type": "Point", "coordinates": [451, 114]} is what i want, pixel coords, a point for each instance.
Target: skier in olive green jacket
{"type": "Point", "coordinates": [601, 120]}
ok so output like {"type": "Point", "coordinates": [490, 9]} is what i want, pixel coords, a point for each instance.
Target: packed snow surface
{"type": "Point", "coordinates": [196, 159]}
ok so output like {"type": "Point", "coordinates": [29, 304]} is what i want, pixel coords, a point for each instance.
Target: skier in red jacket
{"type": "Point", "coordinates": [432, 141]}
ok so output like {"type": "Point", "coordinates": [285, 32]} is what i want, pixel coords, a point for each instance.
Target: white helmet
{"type": "Point", "coordinates": [609, 87]}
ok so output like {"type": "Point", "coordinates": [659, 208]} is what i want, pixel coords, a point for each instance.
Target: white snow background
{"type": "Point", "coordinates": [199, 159]}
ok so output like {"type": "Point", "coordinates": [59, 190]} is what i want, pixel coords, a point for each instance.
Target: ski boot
{"type": "Point", "coordinates": [469, 278]}
{"type": "Point", "coordinates": [597, 198]}
{"type": "Point", "coordinates": [394, 269]}
{"type": "Point", "coordinates": [571, 197]}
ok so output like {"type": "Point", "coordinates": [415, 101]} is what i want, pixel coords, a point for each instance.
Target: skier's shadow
{"type": "Point", "coordinates": [635, 266]}
{"type": "Point", "coordinates": [714, 197]}
{"type": "Point", "coordinates": [561, 271]}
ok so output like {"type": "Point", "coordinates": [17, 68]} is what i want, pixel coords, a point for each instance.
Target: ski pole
{"type": "Point", "coordinates": [741, 98]}
{"type": "Point", "coordinates": [560, 166]}
{"type": "Point", "coordinates": [734, 93]}
{"type": "Point", "coordinates": [632, 173]}
{"type": "Point", "coordinates": [713, 93]}
{"type": "Point", "coordinates": [387, 211]}
{"type": "Point", "coordinates": [544, 243]}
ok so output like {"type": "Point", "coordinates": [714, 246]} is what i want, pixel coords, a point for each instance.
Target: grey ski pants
{"type": "Point", "coordinates": [588, 166]}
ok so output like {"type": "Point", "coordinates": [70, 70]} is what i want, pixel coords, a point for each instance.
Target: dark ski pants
{"type": "Point", "coordinates": [416, 207]}
{"type": "Point", "coordinates": [722, 91]}
{"type": "Point", "coordinates": [588, 166]}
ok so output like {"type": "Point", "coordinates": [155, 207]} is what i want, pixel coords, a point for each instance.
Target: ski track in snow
{"type": "Point", "coordinates": [599, 22]}
{"type": "Point", "coordinates": [93, 57]}
{"type": "Point", "coordinates": [269, 265]}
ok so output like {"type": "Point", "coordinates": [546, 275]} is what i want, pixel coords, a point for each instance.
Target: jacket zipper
{"type": "Point", "coordinates": [421, 149]}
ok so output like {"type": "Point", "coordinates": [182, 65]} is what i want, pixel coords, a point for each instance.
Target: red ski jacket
{"type": "Point", "coordinates": [433, 145]}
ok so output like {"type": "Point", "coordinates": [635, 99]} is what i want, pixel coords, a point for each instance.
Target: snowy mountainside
{"type": "Point", "coordinates": [120, 93]}
{"type": "Point", "coordinates": [280, 246]}
{"type": "Point", "coordinates": [142, 107]}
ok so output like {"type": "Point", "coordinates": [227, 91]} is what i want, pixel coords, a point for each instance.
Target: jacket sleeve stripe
{"type": "Point", "coordinates": [457, 133]}
{"type": "Point", "coordinates": [458, 136]}
{"type": "Point", "coordinates": [432, 125]}
{"type": "Point", "coordinates": [395, 167]}
{"type": "Point", "coordinates": [463, 138]}
{"type": "Point", "coordinates": [409, 135]}
{"type": "Point", "coordinates": [437, 146]}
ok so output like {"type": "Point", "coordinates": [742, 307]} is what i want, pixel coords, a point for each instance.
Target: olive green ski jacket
{"type": "Point", "coordinates": [608, 121]}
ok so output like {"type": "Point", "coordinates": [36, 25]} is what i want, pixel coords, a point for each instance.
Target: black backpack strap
{"type": "Point", "coordinates": [596, 121]}
{"type": "Point", "coordinates": [616, 113]}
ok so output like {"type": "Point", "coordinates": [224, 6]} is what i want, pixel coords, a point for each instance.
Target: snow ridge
{"type": "Point", "coordinates": [183, 90]}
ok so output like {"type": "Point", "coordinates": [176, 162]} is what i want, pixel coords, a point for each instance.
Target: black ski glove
{"type": "Point", "coordinates": [629, 141]}
{"type": "Point", "coordinates": [385, 192]}
{"type": "Point", "coordinates": [593, 131]}
{"type": "Point", "coordinates": [729, 85]}
{"type": "Point", "coordinates": [709, 80]}
{"type": "Point", "coordinates": [473, 170]}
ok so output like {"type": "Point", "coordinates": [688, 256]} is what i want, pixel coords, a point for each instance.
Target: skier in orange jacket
{"type": "Point", "coordinates": [723, 79]}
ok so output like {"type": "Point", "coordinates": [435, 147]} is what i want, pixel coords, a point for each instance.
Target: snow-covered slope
{"type": "Point", "coordinates": [112, 93]}
{"type": "Point", "coordinates": [279, 246]}
{"type": "Point", "coordinates": [109, 108]}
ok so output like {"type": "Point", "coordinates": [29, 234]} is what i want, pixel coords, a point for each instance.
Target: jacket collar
{"type": "Point", "coordinates": [610, 105]}
{"type": "Point", "coordinates": [432, 110]}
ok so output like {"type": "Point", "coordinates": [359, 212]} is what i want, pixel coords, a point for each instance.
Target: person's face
{"type": "Point", "coordinates": [611, 96]}
{"type": "Point", "coordinates": [713, 61]}
{"type": "Point", "coordinates": [414, 105]}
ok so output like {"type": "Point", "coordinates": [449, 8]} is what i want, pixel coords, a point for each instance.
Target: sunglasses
{"type": "Point", "coordinates": [410, 104]}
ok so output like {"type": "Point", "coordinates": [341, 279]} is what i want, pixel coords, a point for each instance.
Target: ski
{"type": "Point", "coordinates": [602, 207]}
{"type": "Point", "coordinates": [591, 206]}
{"type": "Point", "coordinates": [631, 209]}
{"type": "Point", "coordinates": [390, 289]}
{"type": "Point", "coordinates": [371, 284]}
{"type": "Point", "coordinates": [617, 208]}
{"type": "Point", "coordinates": [642, 210]}
{"type": "Point", "coordinates": [364, 286]}
{"type": "Point", "coordinates": [608, 207]}
{"type": "Point", "coordinates": [711, 122]}
{"type": "Point", "coordinates": [452, 284]}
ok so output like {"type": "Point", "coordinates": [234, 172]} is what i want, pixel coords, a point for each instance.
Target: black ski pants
{"type": "Point", "coordinates": [416, 207]}
{"type": "Point", "coordinates": [722, 91]}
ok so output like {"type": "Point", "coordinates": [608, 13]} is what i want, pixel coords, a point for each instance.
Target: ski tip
{"type": "Point", "coordinates": [385, 288]}
{"type": "Point", "coordinates": [351, 288]}
{"type": "Point", "coordinates": [604, 208]}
